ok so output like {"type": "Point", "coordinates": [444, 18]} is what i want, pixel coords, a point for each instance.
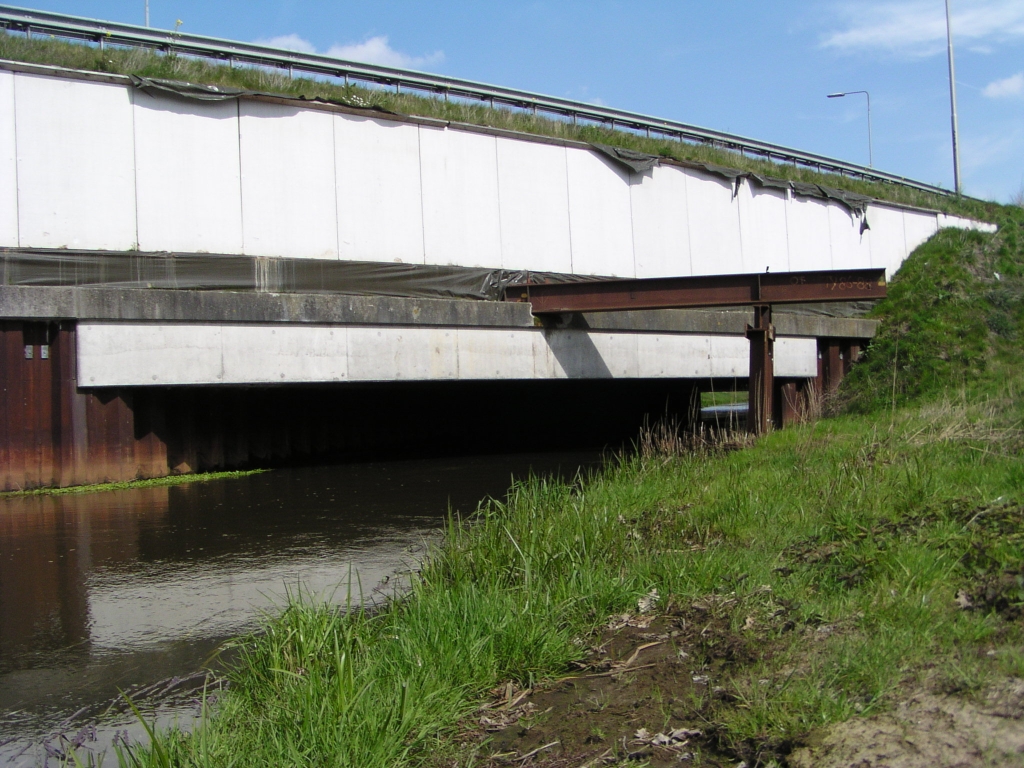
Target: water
{"type": "Point", "coordinates": [128, 590]}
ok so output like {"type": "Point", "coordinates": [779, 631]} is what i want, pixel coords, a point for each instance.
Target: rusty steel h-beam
{"type": "Point", "coordinates": [707, 291]}
{"type": "Point", "coordinates": [759, 291]}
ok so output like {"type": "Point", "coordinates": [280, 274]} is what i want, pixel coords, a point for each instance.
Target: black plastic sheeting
{"type": "Point", "coordinates": [631, 160]}
{"type": "Point", "coordinates": [640, 162]}
{"type": "Point", "coordinates": [635, 162]}
{"type": "Point", "coordinates": [157, 87]}
{"type": "Point", "coordinates": [205, 271]}
{"type": "Point", "coordinates": [217, 272]}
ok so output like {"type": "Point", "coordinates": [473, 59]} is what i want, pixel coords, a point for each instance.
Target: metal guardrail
{"type": "Point", "coordinates": [103, 33]}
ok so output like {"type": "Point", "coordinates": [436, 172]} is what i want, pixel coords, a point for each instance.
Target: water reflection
{"type": "Point", "coordinates": [108, 591]}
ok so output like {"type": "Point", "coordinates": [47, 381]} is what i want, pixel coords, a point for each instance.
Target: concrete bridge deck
{"type": "Point", "coordinates": [238, 345]}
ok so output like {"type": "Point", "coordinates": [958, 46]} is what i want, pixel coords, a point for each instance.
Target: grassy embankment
{"type": "Point", "coordinates": [127, 485]}
{"type": "Point", "coordinates": [151, 64]}
{"type": "Point", "coordinates": [851, 560]}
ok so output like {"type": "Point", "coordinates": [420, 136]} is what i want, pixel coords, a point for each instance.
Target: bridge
{"type": "Point", "coordinates": [197, 279]}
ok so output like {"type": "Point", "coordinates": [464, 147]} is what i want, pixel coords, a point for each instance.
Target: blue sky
{"type": "Point", "coordinates": [760, 69]}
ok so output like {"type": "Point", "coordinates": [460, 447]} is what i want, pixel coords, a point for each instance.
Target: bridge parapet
{"type": "Point", "coordinates": [93, 162]}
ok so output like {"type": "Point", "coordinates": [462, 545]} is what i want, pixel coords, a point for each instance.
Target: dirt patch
{"type": "Point", "coordinates": [929, 731]}
{"type": "Point", "coordinates": [647, 691]}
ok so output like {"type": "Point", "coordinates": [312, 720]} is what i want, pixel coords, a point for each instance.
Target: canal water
{"type": "Point", "coordinates": [136, 590]}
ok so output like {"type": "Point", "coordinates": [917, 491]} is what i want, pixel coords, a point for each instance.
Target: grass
{"type": "Point", "coordinates": [152, 64]}
{"type": "Point", "coordinates": [855, 558]}
{"type": "Point", "coordinates": [130, 484]}
{"type": "Point", "coordinates": [870, 532]}
{"type": "Point", "coordinates": [709, 399]}
{"type": "Point", "coordinates": [954, 318]}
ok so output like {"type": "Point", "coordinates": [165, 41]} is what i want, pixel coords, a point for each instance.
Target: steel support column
{"type": "Point", "coordinates": [761, 385]}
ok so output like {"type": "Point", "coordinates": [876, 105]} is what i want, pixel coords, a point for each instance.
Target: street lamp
{"type": "Point", "coordinates": [952, 102]}
{"type": "Point", "coordinates": [871, 156]}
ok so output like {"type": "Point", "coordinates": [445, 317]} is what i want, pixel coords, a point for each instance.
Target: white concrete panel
{"type": "Point", "coordinates": [730, 356]}
{"type": "Point", "coordinates": [714, 226]}
{"type": "Point", "coordinates": [619, 352]}
{"type": "Point", "coordinates": [763, 232]}
{"type": "Point", "coordinates": [288, 191]}
{"type": "Point", "coordinates": [574, 355]}
{"type": "Point", "coordinates": [958, 222]}
{"type": "Point", "coordinates": [380, 209]}
{"type": "Point", "coordinates": [461, 222]}
{"type": "Point", "coordinates": [599, 216]}
{"type": "Point", "coordinates": [390, 354]}
{"type": "Point", "coordinates": [545, 365]}
{"type": "Point", "coordinates": [496, 354]}
{"type": "Point", "coordinates": [141, 354]}
{"type": "Point", "coordinates": [918, 227]}
{"type": "Point", "coordinates": [888, 241]}
{"type": "Point", "coordinates": [8, 164]}
{"type": "Point", "coordinates": [810, 246]}
{"type": "Point", "coordinates": [534, 204]}
{"type": "Point", "coordinates": [796, 357]}
{"type": "Point", "coordinates": [671, 356]}
{"type": "Point", "coordinates": [661, 233]}
{"type": "Point", "coordinates": [76, 185]}
{"type": "Point", "coordinates": [850, 247]}
{"type": "Point", "coordinates": [187, 175]}
{"type": "Point", "coordinates": [117, 354]}
{"type": "Point", "coordinates": [283, 353]}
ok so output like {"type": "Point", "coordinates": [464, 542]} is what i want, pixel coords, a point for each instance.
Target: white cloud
{"type": "Point", "coordinates": [918, 27]}
{"type": "Point", "coordinates": [289, 42]}
{"type": "Point", "coordinates": [1008, 86]}
{"type": "Point", "coordinates": [375, 50]}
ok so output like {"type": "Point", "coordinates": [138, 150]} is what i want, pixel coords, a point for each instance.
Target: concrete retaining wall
{"type": "Point", "coordinates": [122, 354]}
{"type": "Point", "coordinates": [101, 165]}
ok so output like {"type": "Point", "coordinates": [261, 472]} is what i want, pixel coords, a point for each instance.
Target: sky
{"type": "Point", "coordinates": [754, 68]}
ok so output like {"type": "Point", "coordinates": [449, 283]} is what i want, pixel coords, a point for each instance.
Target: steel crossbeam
{"type": "Point", "coordinates": [704, 291]}
{"type": "Point", "coordinates": [758, 291]}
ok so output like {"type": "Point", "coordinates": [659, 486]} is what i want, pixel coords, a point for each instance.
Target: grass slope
{"type": "Point", "coordinates": [954, 317]}
{"type": "Point", "coordinates": [151, 64]}
{"type": "Point", "coordinates": [851, 560]}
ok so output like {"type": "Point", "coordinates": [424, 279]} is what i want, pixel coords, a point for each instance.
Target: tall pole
{"type": "Point", "coordinates": [871, 152]}
{"type": "Point", "coordinates": [952, 102]}
{"type": "Point", "coordinates": [147, 13]}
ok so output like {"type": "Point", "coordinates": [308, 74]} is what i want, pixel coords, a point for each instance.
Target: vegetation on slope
{"type": "Point", "coordinates": [818, 575]}
{"type": "Point", "coordinates": [151, 64]}
{"type": "Point", "coordinates": [954, 318]}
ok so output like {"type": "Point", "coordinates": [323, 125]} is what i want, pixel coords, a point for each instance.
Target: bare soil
{"type": "Point", "coordinates": [648, 694]}
{"type": "Point", "coordinates": [929, 731]}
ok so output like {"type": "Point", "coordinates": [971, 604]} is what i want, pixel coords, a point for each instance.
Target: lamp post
{"type": "Point", "coordinates": [871, 156]}
{"type": "Point", "coordinates": [147, 13]}
{"type": "Point", "coordinates": [952, 102]}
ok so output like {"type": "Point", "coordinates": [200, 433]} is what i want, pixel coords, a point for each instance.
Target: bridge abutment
{"type": "Point", "coordinates": [56, 433]}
